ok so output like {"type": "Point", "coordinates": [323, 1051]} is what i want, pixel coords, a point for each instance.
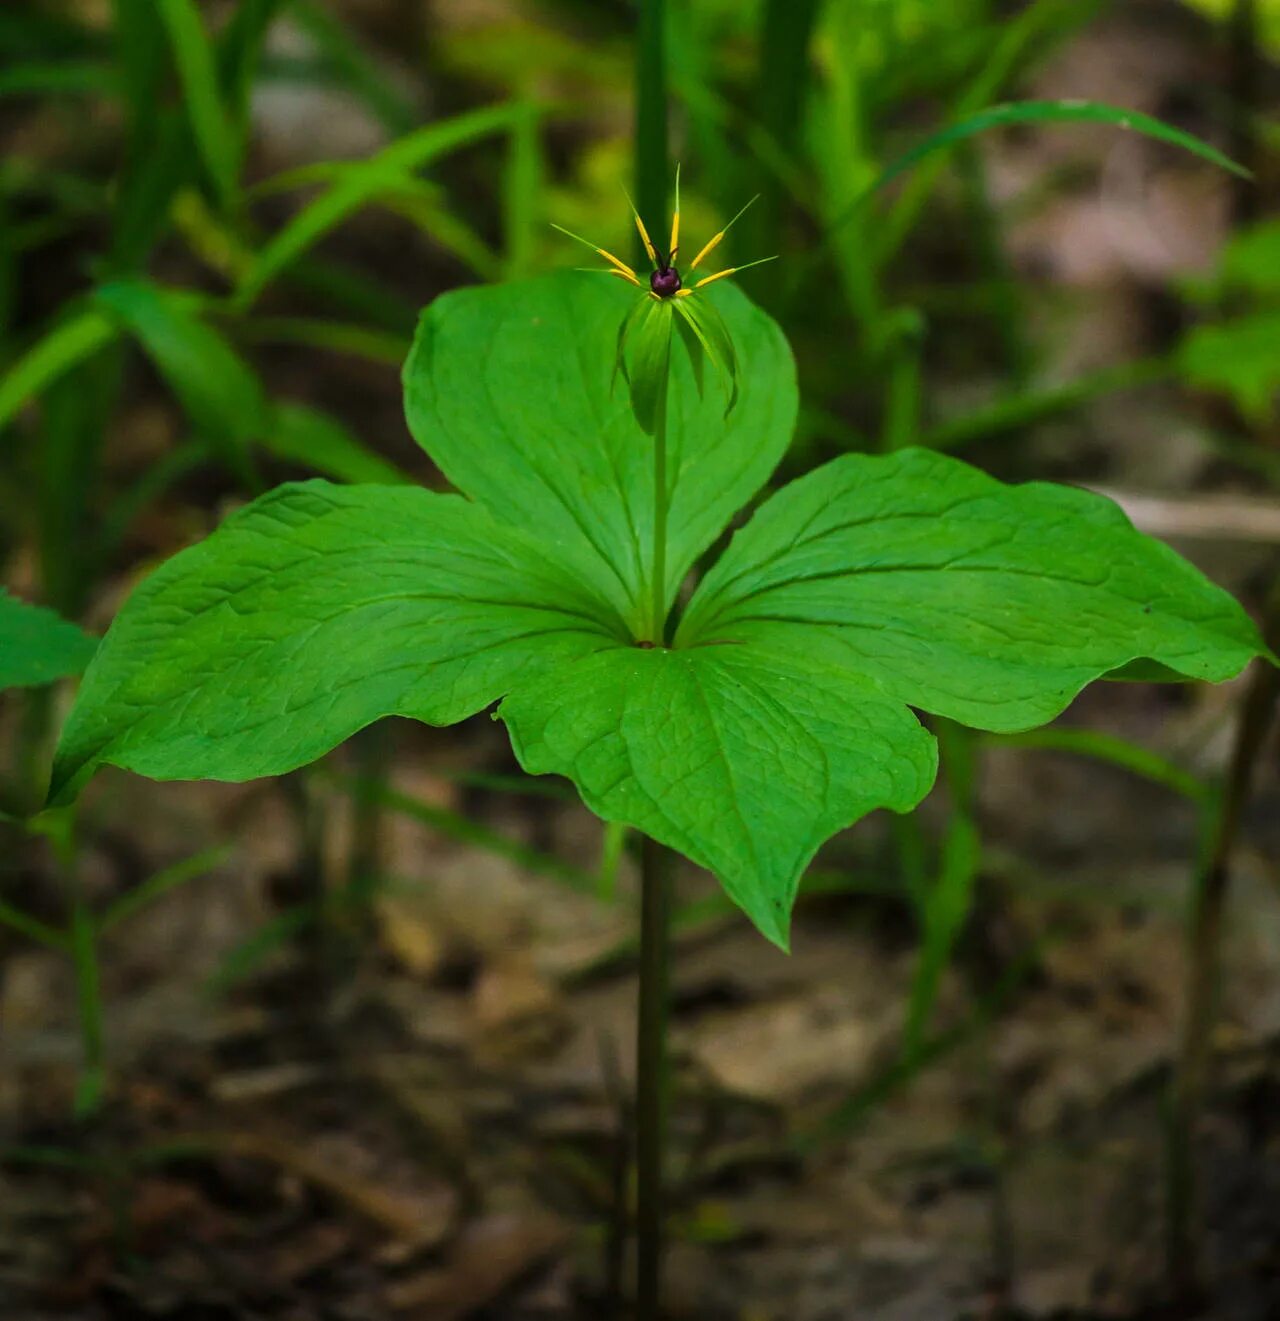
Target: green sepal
{"type": "Point", "coordinates": [649, 340]}
{"type": "Point", "coordinates": [693, 346]}
{"type": "Point", "coordinates": [712, 335]}
{"type": "Point", "coordinates": [634, 314]}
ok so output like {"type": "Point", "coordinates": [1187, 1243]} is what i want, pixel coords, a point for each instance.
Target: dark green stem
{"type": "Point", "coordinates": [651, 1073]}
{"type": "Point", "coordinates": [658, 583]}
{"type": "Point", "coordinates": [84, 956]}
{"type": "Point", "coordinates": [652, 160]}
{"type": "Point", "coordinates": [1207, 920]}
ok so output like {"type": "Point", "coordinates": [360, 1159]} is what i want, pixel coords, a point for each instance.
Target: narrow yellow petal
{"type": "Point", "coordinates": [628, 275]}
{"type": "Point", "coordinates": [715, 242]}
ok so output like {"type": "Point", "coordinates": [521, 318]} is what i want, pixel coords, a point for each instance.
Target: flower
{"type": "Point", "coordinates": [645, 334]}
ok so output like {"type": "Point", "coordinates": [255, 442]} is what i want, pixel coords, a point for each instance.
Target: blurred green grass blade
{"type": "Point", "coordinates": [331, 336]}
{"type": "Point", "coordinates": [1023, 113]}
{"type": "Point", "coordinates": [219, 392]}
{"type": "Point", "coordinates": [786, 31]}
{"type": "Point", "coordinates": [652, 157]}
{"type": "Point", "coordinates": [522, 192]}
{"type": "Point", "coordinates": [422, 205]}
{"type": "Point", "coordinates": [1007, 53]}
{"type": "Point", "coordinates": [361, 182]}
{"type": "Point", "coordinates": [245, 958]}
{"type": "Point", "coordinates": [76, 409]}
{"type": "Point", "coordinates": [354, 66]}
{"type": "Point", "coordinates": [159, 157]}
{"type": "Point", "coordinates": [454, 825]}
{"type": "Point", "coordinates": [1058, 112]}
{"type": "Point", "coordinates": [214, 134]}
{"type": "Point", "coordinates": [1009, 415]}
{"type": "Point", "coordinates": [32, 32]}
{"type": "Point", "coordinates": [160, 164]}
{"type": "Point", "coordinates": [238, 55]}
{"type": "Point", "coordinates": [160, 883]}
{"type": "Point", "coordinates": [1114, 751]}
{"type": "Point", "coordinates": [40, 933]}
{"type": "Point", "coordinates": [73, 77]}
{"type": "Point", "coordinates": [71, 342]}
{"type": "Point", "coordinates": [159, 476]}
{"type": "Point", "coordinates": [945, 909]}
{"type": "Point", "coordinates": [307, 436]}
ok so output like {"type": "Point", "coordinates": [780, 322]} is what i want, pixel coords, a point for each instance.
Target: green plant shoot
{"type": "Point", "coordinates": [784, 708]}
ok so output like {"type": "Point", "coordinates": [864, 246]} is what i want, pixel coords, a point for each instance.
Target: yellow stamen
{"type": "Point", "coordinates": [647, 241]}
{"type": "Point", "coordinates": [628, 276]}
{"type": "Point", "coordinates": [675, 224]}
{"type": "Point", "coordinates": [683, 293]}
{"type": "Point", "coordinates": [719, 275]}
{"type": "Point", "coordinates": [621, 266]}
{"type": "Point", "coordinates": [715, 241]}
{"type": "Point", "coordinates": [733, 270]}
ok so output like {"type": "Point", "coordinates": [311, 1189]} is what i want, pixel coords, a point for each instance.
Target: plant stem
{"type": "Point", "coordinates": [84, 955]}
{"type": "Point", "coordinates": [651, 1072]}
{"type": "Point", "coordinates": [658, 584]}
{"type": "Point", "coordinates": [1212, 885]}
{"type": "Point", "coordinates": [652, 162]}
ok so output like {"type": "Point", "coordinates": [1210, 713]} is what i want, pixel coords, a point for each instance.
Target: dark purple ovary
{"type": "Point", "coordinates": [665, 281]}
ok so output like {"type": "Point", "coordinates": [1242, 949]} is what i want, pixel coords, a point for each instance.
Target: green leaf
{"type": "Point", "coordinates": [1252, 259]}
{"type": "Point", "coordinates": [38, 646]}
{"type": "Point", "coordinates": [306, 435]}
{"type": "Point", "coordinates": [744, 761]}
{"type": "Point", "coordinates": [360, 182]}
{"type": "Point", "coordinates": [74, 340]}
{"type": "Point", "coordinates": [1240, 358]}
{"type": "Point", "coordinates": [989, 604]}
{"type": "Point", "coordinates": [509, 389]}
{"type": "Point", "coordinates": [214, 133]}
{"type": "Point", "coordinates": [1058, 112]}
{"type": "Point", "coordinates": [311, 613]}
{"type": "Point", "coordinates": [220, 393]}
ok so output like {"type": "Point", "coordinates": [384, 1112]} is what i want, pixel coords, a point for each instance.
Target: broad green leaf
{"type": "Point", "coordinates": [1241, 358]}
{"type": "Point", "coordinates": [511, 391]}
{"type": "Point", "coordinates": [937, 585]}
{"type": "Point", "coordinates": [38, 646]}
{"type": "Point", "coordinates": [306, 435]}
{"type": "Point", "coordinates": [1252, 259]}
{"type": "Point", "coordinates": [743, 761]}
{"type": "Point", "coordinates": [220, 393]}
{"type": "Point", "coordinates": [311, 613]}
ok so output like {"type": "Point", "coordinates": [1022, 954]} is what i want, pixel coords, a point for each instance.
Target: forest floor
{"type": "Point", "coordinates": [334, 1100]}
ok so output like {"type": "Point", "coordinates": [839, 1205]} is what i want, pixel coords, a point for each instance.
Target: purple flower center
{"type": "Point", "coordinates": [665, 281]}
